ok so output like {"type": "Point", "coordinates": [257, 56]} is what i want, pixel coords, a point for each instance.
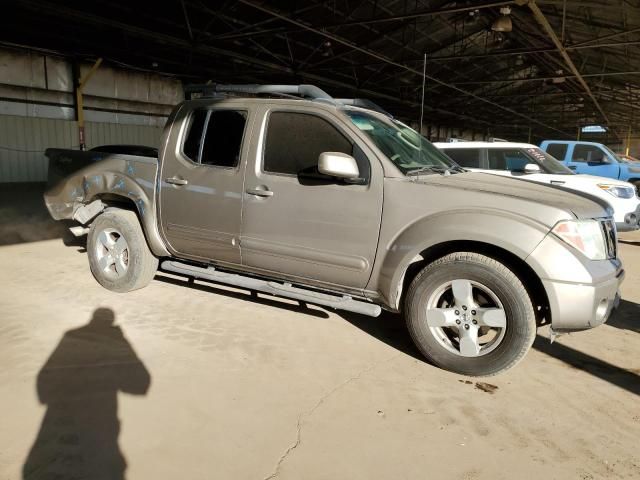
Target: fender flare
{"type": "Point", "coordinates": [515, 234]}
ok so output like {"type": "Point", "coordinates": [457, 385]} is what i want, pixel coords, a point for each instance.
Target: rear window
{"type": "Point", "coordinates": [557, 150]}
{"type": "Point", "coordinates": [191, 147]}
{"type": "Point", "coordinates": [465, 157]}
{"type": "Point", "coordinates": [223, 139]}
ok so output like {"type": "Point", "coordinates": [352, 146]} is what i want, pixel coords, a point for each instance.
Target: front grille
{"type": "Point", "coordinates": [610, 237]}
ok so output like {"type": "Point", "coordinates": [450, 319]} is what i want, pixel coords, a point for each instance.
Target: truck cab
{"type": "Point", "coordinates": [592, 159]}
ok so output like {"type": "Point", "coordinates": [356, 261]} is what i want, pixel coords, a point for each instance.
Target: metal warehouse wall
{"type": "Point", "coordinates": [37, 98]}
{"type": "Point", "coordinates": [23, 141]}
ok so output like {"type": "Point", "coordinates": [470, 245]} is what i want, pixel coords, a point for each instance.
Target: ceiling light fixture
{"type": "Point", "coordinates": [503, 23]}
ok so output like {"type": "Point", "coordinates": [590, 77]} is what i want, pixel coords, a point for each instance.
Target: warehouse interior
{"type": "Point", "coordinates": [204, 380]}
{"type": "Point", "coordinates": [557, 67]}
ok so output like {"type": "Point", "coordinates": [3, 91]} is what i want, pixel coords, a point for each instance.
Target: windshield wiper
{"type": "Point", "coordinates": [437, 169]}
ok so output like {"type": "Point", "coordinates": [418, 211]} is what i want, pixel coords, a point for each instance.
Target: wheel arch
{"type": "Point", "coordinates": [523, 271]}
{"type": "Point", "coordinates": [132, 201]}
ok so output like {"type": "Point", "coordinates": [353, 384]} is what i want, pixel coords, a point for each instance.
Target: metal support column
{"type": "Point", "coordinates": [79, 86]}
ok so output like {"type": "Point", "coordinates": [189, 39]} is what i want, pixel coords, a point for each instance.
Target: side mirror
{"type": "Point", "coordinates": [339, 165]}
{"type": "Point", "coordinates": [532, 168]}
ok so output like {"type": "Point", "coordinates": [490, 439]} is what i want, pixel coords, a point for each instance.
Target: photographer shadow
{"type": "Point", "coordinates": [79, 384]}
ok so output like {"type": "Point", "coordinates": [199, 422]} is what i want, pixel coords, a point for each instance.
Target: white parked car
{"type": "Point", "coordinates": [531, 163]}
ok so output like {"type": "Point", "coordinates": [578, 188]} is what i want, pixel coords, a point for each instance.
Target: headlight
{"type": "Point", "coordinates": [618, 190]}
{"type": "Point", "coordinates": [583, 235]}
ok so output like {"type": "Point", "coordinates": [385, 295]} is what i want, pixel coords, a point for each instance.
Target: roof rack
{"type": "Point", "coordinates": [212, 90]}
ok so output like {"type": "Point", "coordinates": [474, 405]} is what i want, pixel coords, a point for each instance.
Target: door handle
{"type": "Point", "coordinates": [260, 192]}
{"type": "Point", "coordinates": [572, 167]}
{"type": "Point", "coordinates": [176, 181]}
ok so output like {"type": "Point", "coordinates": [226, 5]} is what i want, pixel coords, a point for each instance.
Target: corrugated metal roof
{"type": "Point", "coordinates": [477, 78]}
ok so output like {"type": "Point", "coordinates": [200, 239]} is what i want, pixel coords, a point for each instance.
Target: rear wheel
{"type": "Point", "coordinates": [470, 314]}
{"type": "Point", "coordinates": [119, 256]}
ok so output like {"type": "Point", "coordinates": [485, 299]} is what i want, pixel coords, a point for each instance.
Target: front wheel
{"type": "Point", "coordinates": [470, 314]}
{"type": "Point", "coordinates": [119, 256]}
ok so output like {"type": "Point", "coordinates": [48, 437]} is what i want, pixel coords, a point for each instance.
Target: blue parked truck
{"type": "Point", "coordinates": [592, 159]}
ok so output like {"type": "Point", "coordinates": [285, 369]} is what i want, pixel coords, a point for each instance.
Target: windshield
{"type": "Point", "coordinates": [406, 148]}
{"type": "Point", "coordinates": [612, 154]}
{"type": "Point", "coordinates": [547, 163]}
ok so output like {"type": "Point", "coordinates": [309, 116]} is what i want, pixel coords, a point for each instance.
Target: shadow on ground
{"type": "Point", "coordinates": [391, 329]}
{"type": "Point", "coordinates": [626, 317]}
{"type": "Point", "coordinates": [242, 295]}
{"type": "Point", "coordinates": [628, 242]}
{"type": "Point", "coordinates": [24, 217]}
{"type": "Point", "coordinates": [79, 384]}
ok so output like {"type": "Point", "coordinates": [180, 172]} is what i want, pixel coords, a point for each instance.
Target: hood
{"type": "Point", "coordinates": [581, 205]}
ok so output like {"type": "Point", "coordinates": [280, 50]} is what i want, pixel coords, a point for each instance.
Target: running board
{"type": "Point", "coordinates": [274, 288]}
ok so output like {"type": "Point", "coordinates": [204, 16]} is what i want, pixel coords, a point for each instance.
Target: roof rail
{"type": "Point", "coordinates": [363, 103]}
{"type": "Point", "coordinates": [210, 90]}
{"type": "Point", "coordinates": [213, 90]}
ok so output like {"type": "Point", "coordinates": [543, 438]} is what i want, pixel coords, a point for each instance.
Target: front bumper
{"type": "Point", "coordinates": [582, 293]}
{"type": "Point", "coordinates": [579, 307]}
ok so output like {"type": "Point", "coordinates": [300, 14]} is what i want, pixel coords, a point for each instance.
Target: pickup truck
{"type": "Point", "coordinates": [325, 201]}
{"type": "Point", "coordinates": [593, 159]}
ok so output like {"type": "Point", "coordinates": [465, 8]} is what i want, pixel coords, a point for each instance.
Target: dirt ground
{"type": "Point", "coordinates": [204, 382]}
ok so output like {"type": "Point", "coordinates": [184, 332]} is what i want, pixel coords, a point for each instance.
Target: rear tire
{"type": "Point", "coordinates": [119, 256]}
{"type": "Point", "coordinates": [485, 334]}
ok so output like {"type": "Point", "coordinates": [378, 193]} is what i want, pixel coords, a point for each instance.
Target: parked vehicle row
{"type": "Point", "coordinates": [593, 159]}
{"type": "Point", "coordinates": [326, 202]}
{"type": "Point", "coordinates": [526, 161]}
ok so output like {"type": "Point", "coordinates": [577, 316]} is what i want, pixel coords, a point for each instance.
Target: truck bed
{"type": "Point", "coordinates": [78, 177]}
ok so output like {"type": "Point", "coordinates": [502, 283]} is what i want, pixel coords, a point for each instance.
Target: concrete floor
{"type": "Point", "coordinates": [204, 382]}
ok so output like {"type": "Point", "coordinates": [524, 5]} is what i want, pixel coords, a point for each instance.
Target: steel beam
{"type": "Point", "coordinates": [544, 23]}
{"type": "Point", "coordinates": [383, 58]}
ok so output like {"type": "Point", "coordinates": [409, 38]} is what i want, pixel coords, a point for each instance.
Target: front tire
{"type": "Point", "coordinates": [119, 257]}
{"type": "Point", "coordinates": [470, 314]}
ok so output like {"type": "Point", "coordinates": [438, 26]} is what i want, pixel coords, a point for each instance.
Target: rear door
{"type": "Point", "coordinates": [201, 183]}
{"type": "Point", "coordinates": [558, 151]}
{"type": "Point", "coordinates": [304, 225]}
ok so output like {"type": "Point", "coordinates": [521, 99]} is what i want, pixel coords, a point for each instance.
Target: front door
{"type": "Point", "coordinates": [300, 224]}
{"type": "Point", "coordinates": [592, 160]}
{"type": "Point", "coordinates": [201, 184]}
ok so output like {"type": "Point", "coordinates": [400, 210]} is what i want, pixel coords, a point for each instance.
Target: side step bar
{"type": "Point", "coordinates": [274, 288]}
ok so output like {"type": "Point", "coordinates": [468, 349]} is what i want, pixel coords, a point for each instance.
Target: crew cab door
{"type": "Point", "coordinates": [201, 181]}
{"type": "Point", "coordinates": [592, 160]}
{"type": "Point", "coordinates": [298, 223]}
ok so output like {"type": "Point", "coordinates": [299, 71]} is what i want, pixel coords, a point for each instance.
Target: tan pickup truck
{"type": "Point", "coordinates": [285, 190]}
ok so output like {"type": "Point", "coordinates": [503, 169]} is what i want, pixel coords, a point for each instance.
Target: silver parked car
{"type": "Point", "coordinates": [340, 205]}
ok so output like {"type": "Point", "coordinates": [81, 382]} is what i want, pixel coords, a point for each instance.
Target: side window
{"type": "Point", "coordinates": [587, 153]}
{"type": "Point", "coordinates": [191, 146]}
{"type": "Point", "coordinates": [465, 157]}
{"type": "Point", "coordinates": [223, 138]}
{"type": "Point", "coordinates": [294, 141]}
{"type": "Point", "coordinates": [507, 159]}
{"type": "Point", "coordinates": [557, 150]}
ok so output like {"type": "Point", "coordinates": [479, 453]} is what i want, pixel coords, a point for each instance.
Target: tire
{"type": "Point", "coordinates": [120, 269]}
{"type": "Point", "coordinates": [435, 316]}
